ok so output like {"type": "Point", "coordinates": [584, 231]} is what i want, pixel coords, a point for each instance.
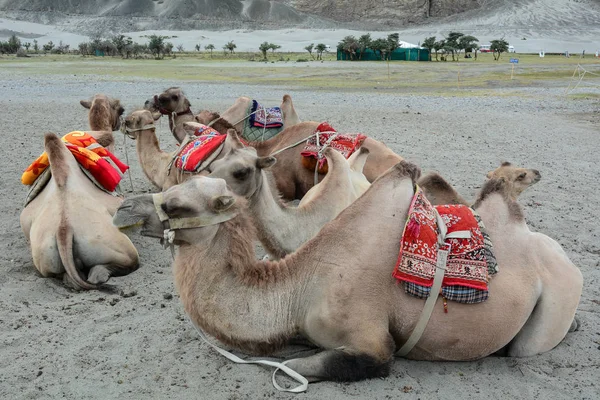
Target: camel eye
{"type": "Point", "coordinates": [522, 176]}
{"type": "Point", "coordinates": [241, 174]}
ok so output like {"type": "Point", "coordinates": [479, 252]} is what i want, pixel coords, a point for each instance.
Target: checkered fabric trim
{"type": "Point", "coordinates": [460, 294]}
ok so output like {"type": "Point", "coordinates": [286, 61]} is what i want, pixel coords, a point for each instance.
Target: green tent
{"type": "Point", "coordinates": [400, 54]}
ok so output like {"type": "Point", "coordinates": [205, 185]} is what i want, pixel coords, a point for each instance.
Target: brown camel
{"type": "Point", "coordinates": [293, 180]}
{"type": "Point", "coordinates": [104, 114]}
{"type": "Point", "coordinates": [69, 224]}
{"type": "Point", "coordinates": [174, 103]}
{"type": "Point", "coordinates": [439, 191]}
{"type": "Point", "coordinates": [337, 289]}
{"type": "Point", "coordinates": [283, 229]}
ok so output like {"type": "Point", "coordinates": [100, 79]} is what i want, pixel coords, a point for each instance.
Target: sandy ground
{"type": "Point", "coordinates": [133, 341]}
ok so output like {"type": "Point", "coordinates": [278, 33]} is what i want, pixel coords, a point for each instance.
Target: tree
{"type": "Point", "coordinates": [156, 45]}
{"type": "Point", "coordinates": [310, 48]}
{"type": "Point", "coordinates": [321, 47]}
{"type": "Point", "coordinates": [168, 49]}
{"type": "Point", "coordinates": [452, 45]}
{"type": "Point", "coordinates": [197, 47]}
{"type": "Point", "coordinates": [364, 43]}
{"type": "Point", "coordinates": [348, 45]}
{"type": "Point", "coordinates": [393, 42]}
{"type": "Point", "coordinates": [274, 47]}
{"type": "Point", "coordinates": [437, 46]}
{"type": "Point", "coordinates": [180, 48]}
{"type": "Point", "coordinates": [48, 46]}
{"type": "Point", "coordinates": [429, 44]}
{"type": "Point", "coordinates": [498, 47]}
{"type": "Point", "coordinates": [27, 45]}
{"type": "Point", "coordinates": [121, 42]}
{"type": "Point", "coordinates": [36, 48]}
{"type": "Point", "coordinates": [210, 47]}
{"type": "Point", "coordinates": [379, 46]}
{"type": "Point", "coordinates": [14, 43]}
{"type": "Point", "coordinates": [264, 47]}
{"type": "Point", "coordinates": [467, 43]}
{"type": "Point", "coordinates": [230, 46]}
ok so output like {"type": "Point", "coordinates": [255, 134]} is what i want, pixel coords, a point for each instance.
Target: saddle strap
{"type": "Point", "coordinates": [440, 269]}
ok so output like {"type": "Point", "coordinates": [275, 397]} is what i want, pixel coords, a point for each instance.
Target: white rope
{"type": "Point", "coordinates": [303, 382]}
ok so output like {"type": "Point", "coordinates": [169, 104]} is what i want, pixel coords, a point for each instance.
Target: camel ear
{"type": "Point", "coordinates": [86, 103]}
{"type": "Point", "coordinates": [233, 139]}
{"type": "Point", "coordinates": [505, 164]}
{"type": "Point", "coordinates": [222, 203]}
{"type": "Point", "coordinates": [156, 116]}
{"type": "Point", "coordinates": [489, 175]}
{"type": "Point", "coordinates": [265, 162]}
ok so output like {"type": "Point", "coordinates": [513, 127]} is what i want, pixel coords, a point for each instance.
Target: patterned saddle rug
{"type": "Point", "coordinates": [201, 150]}
{"type": "Point", "coordinates": [263, 123]}
{"type": "Point", "coordinates": [346, 144]}
{"type": "Point", "coordinates": [470, 260]}
{"type": "Point", "coordinates": [99, 164]}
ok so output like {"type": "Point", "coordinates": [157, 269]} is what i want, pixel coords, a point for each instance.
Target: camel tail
{"type": "Point", "coordinates": [60, 159]}
{"type": "Point", "coordinates": [64, 241]}
{"type": "Point", "coordinates": [358, 160]}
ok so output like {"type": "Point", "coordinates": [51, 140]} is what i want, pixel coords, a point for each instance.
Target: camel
{"type": "Point", "coordinates": [172, 102]}
{"type": "Point", "coordinates": [139, 125]}
{"type": "Point", "coordinates": [337, 289]}
{"type": "Point", "coordinates": [283, 229]}
{"type": "Point", "coordinates": [104, 114]}
{"type": "Point", "coordinates": [69, 224]}
{"type": "Point", "coordinates": [518, 179]}
{"type": "Point", "coordinates": [293, 180]}
{"type": "Point", "coordinates": [439, 191]}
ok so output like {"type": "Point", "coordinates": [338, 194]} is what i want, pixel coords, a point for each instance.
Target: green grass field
{"type": "Point", "coordinates": [284, 69]}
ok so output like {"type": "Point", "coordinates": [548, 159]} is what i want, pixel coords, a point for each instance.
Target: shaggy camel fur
{"type": "Point", "coordinates": [439, 191]}
{"type": "Point", "coordinates": [337, 289]}
{"type": "Point", "coordinates": [283, 229]}
{"type": "Point", "coordinates": [104, 114]}
{"type": "Point", "coordinates": [174, 103]}
{"type": "Point", "coordinates": [291, 178]}
{"type": "Point", "coordinates": [69, 224]}
{"type": "Point", "coordinates": [155, 162]}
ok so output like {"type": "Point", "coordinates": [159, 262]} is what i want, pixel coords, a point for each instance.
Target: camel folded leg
{"type": "Point", "coordinates": [368, 359]}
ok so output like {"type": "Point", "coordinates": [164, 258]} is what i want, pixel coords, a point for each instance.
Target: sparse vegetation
{"type": "Point", "coordinates": [498, 47]}
{"type": "Point", "coordinates": [310, 48]}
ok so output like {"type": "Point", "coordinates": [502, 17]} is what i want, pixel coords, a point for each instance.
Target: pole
{"type": "Point", "coordinates": [512, 71]}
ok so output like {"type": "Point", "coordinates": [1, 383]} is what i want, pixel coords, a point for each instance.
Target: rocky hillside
{"type": "Point", "coordinates": [223, 14]}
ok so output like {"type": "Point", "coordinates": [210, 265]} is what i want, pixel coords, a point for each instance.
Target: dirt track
{"type": "Point", "coordinates": [56, 343]}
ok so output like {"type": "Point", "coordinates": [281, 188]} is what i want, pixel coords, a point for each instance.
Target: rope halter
{"type": "Point", "coordinates": [171, 225]}
{"type": "Point", "coordinates": [128, 131]}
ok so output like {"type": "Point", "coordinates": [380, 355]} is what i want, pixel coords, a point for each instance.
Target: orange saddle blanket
{"type": "Point", "coordinates": [90, 155]}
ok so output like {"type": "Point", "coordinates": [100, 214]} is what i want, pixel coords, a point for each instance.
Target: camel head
{"type": "Point", "coordinates": [170, 101]}
{"type": "Point", "coordinates": [105, 112]}
{"type": "Point", "coordinates": [138, 121]}
{"type": "Point", "coordinates": [241, 167]}
{"type": "Point", "coordinates": [207, 200]}
{"type": "Point", "coordinates": [518, 179]}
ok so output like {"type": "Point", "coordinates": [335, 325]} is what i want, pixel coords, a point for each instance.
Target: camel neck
{"type": "Point", "coordinates": [251, 305]}
{"type": "Point", "coordinates": [153, 160]}
{"type": "Point", "coordinates": [279, 227]}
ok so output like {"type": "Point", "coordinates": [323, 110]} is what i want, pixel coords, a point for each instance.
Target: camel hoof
{"type": "Point", "coordinates": [98, 275]}
{"type": "Point", "coordinates": [575, 325]}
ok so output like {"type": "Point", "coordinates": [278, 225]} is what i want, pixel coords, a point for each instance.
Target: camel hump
{"type": "Point", "coordinates": [59, 157]}
{"type": "Point", "coordinates": [358, 159]}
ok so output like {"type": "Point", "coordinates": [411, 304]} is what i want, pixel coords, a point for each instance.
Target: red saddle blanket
{"type": "Point", "coordinates": [467, 266]}
{"type": "Point", "coordinates": [346, 143]}
{"type": "Point", "coordinates": [193, 154]}
{"type": "Point", "coordinates": [91, 156]}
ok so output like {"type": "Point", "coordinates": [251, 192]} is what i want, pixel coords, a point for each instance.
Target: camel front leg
{"type": "Point", "coordinates": [101, 273]}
